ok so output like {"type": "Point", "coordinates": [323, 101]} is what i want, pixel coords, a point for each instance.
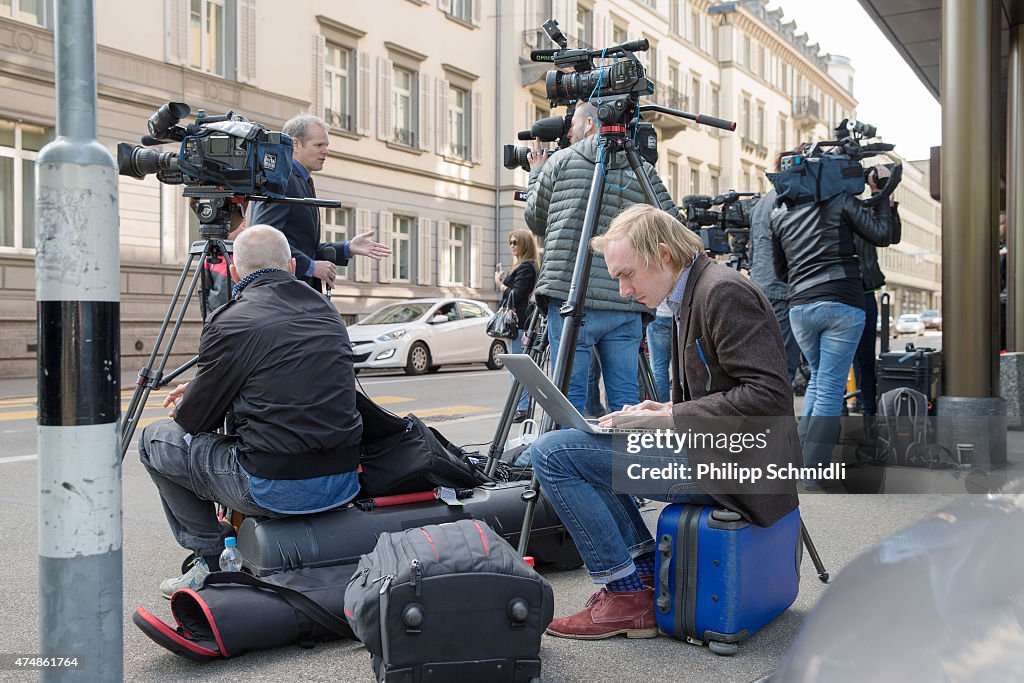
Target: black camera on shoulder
{"type": "Point", "coordinates": [228, 152]}
{"type": "Point", "coordinates": [830, 167]}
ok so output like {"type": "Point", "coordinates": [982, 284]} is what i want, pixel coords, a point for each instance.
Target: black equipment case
{"type": "Point", "coordinates": [341, 536]}
{"type": "Point", "coordinates": [449, 603]}
{"type": "Point", "coordinates": [918, 369]}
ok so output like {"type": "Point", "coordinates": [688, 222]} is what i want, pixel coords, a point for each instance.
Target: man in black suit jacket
{"type": "Point", "coordinates": [301, 224]}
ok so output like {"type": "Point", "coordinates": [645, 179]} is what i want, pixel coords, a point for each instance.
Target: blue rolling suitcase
{"type": "Point", "coordinates": [720, 579]}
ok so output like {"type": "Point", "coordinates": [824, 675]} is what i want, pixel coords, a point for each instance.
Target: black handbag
{"type": "Point", "coordinates": [505, 323]}
{"type": "Point", "coordinates": [234, 613]}
{"type": "Point", "coordinates": [403, 455]}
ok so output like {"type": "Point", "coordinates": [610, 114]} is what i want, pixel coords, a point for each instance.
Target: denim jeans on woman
{"type": "Point", "coordinates": [575, 473]}
{"type": "Point", "coordinates": [615, 335]}
{"type": "Point", "coordinates": [516, 346]}
{"type": "Point", "coordinates": [828, 333]}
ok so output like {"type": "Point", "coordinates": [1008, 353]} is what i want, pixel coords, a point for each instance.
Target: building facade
{"type": "Point", "coordinates": [420, 96]}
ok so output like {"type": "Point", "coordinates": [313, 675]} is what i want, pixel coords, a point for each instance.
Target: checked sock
{"type": "Point", "coordinates": [645, 564]}
{"type": "Point", "coordinates": [626, 584]}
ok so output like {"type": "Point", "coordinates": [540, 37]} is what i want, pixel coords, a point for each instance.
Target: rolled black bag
{"type": "Point", "coordinates": [403, 455]}
{"type": "Point", "coordinates": [452, 599]}
{"type": "Point", "coordinates": [234, 613]}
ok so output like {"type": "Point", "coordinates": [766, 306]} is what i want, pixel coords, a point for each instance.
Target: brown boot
{"type": "Point", "coordinates": [610, 614]}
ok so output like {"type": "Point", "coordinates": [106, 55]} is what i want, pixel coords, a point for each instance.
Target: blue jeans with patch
{"type": "Point", "coordinates": [828, 333]}
{"type": "Point", "coordinates": [615, 335]}
{"type": "Point", "coordinates": [659, 344]}
{"type": "Point", "coordinates": [575, 473]}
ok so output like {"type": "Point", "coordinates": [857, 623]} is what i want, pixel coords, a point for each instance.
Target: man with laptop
{"type": "Point", "coordinates": [728, 360]}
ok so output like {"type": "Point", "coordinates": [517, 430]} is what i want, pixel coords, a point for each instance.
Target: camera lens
{"type": "Point", "coordinates": [138, 162]}
{"type": "Point", "coordinates": [166, 117]}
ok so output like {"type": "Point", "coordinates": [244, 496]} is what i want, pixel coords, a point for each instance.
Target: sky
{"type": "Point", "coordinates": [889, 94]}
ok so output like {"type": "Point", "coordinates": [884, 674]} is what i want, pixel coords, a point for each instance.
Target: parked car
{"type": "Point", "coordinates": [910, 323]}
{"type": "Point", "coordinates": [421, 335]}
{"type": "Point", "coordinates": [932, 320]}
{"type": "Point", "coordinates": [892, 327]}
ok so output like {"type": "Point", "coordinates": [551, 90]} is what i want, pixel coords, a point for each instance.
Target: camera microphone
{"type": "Point", "coordinates": [329, 254]}
{"type": "Point", "coordinates": [639, 45]}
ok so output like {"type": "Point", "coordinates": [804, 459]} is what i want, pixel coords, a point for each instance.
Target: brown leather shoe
{"type": "Point", "coordinates": [610, 614]}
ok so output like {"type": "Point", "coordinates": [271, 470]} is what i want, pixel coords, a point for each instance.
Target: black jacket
{"type": "Point", "coordinates": [520, 283]}
{"type": "Point", "coordinates": [279, 359]}
{"type": "Point", "coordinates": [301, 225]}
{"type": "Point", "coordinates": [813, 243]}
{"type": "Point", "coordinates": [867, 256]}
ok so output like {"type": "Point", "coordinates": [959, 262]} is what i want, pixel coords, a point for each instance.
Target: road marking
{"type": "Point", "coordinates": [389, 400]}
{"type": "Point", "coordinates": [448, 410]}
{"type": "Point", "coordinates": [17, 415]}
{"type": "Point", "coordinates": [440, 375]}
{"type": "Point", "coordinates": [18, 458]}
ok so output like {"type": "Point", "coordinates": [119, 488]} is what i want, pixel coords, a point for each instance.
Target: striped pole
{"type": "Point", "coordinates": [78, 309]}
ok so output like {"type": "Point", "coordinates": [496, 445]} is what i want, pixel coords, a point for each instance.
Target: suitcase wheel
{"type": "Point", "coordinates": [723, 649]}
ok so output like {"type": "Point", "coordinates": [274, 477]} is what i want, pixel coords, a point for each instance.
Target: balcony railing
{"type": "Point", "coordinates": [337, 119]}
{"type": "Point", "coordinates": [458, 151]}
{"type": "Point", "coordinates": [671, 98]}
{"type": "Point", "coordinates": [404, 137]}
{"type": "Point", "coordinates": [806, 106]}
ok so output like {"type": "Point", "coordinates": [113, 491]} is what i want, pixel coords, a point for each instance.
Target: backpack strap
{"type": "Point", "coordinates": [297, 599]}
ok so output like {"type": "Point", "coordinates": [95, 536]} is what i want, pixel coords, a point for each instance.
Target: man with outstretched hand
{"type": "Point", "coordinates": [314, 262]}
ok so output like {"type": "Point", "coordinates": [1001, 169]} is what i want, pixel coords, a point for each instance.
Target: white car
{"type": "Point", "coordinates": [910, 323]}
{"type": "Point", "coordinates": [421, 335]}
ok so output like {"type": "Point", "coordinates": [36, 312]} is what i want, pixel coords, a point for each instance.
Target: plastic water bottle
{"type": "Point", "coordinates": [230, 559]}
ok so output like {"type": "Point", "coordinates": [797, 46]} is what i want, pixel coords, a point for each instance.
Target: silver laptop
{"type": "Point", "coordinates": [554, 403]}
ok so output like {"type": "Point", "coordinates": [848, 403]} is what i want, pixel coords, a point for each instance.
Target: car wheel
{"type": "Point", "coordinates": [419, 359]}
{"type": "Point", "coordinates": [493, 362]}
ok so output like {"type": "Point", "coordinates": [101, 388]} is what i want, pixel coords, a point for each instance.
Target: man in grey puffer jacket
{"type": "Point", "coordinates": [555, 208]}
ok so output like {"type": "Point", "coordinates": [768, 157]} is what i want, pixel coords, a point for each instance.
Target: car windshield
{"type": "Point", "coordinates": [397, 313]}
{"type": "Point", "coordinates": [930, 314]}
{"type": "Point", "coordinates": [908, 318]}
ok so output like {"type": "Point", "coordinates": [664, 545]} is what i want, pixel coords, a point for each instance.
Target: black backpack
{"type": "Point", "coordinates": [453, 598]}
{"type": "Point", "coordinates": [403, 455]}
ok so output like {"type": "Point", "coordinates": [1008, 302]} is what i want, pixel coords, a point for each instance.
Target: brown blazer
{"type": "Point", "coordinates": [742, 374]}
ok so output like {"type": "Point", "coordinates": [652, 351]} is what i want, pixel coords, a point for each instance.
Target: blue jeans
{"type": "Point", "coordinates": [828, 333]}
{"type": "Point", "coordinates": [594, 407]}
{"type": "Point", "coordinates": [616, 336]}
{"type": "Point", "coordinates": [190, 478]}
{"type": "Point", "coordinates": [659, 344]}
{"type": "Point", "coordinates": [575, 473]}
{"type": "Point", "coordinates": [516, 346]}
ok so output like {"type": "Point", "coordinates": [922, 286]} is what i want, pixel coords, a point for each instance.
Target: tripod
{"type": "Point", "coordinates": [214, 212]}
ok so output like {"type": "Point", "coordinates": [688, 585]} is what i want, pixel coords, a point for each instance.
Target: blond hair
{"type": "Point", "coordinates": [527, 248]}
{"type": "Point", "coordinates": [647, 228]}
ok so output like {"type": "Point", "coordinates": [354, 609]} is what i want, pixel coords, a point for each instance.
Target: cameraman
{"type": "Point", "coordinates": [301, 224]}
{"type": "Point", "coordinates": [814, 254]}
{"type": "Point", "coordinates": [277, 361]}
{"type": "Point", "coordinates": [559, 188]}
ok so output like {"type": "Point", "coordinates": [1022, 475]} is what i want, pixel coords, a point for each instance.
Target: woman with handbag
{"type": "Point", "coordinates": [517, 285]}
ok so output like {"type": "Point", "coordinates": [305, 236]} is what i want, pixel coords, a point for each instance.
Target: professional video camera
{"type": "Point", "coordinates": [556, 129]}
{"type": "Point", "coordinates": [726, 231]}
{"type": "Point", "coordinates": [228, 152]}
{"type": "Point", "coordinates": [830, 167]}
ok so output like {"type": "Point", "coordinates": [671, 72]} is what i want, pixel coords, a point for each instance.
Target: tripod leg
{"type": "Point", "coordinates": [813, 552]}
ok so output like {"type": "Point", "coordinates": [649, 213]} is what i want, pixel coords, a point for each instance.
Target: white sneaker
{"type": "Point", "coordinates": [193, 579]}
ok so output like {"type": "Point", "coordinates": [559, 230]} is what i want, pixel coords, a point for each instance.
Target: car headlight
{"type": "Point", "coordinates": [392, 335]}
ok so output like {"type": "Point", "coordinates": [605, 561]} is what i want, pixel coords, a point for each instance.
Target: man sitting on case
{"type": "Point", "coordinates": [740, 370]}
{"type": "Point", "coordinates": [277, 362]}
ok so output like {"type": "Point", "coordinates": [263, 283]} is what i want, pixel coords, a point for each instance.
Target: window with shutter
{"type": "Point", "coordinates": [385, 223]}
{"type": "Point", "coordinates": [402, 243]}
{"type": "Point", "coordinates": [384, 67]}
{"type": "Point", "coordinates": [424, 241]}
{"type": "Point", "coordinates": [339, 109]}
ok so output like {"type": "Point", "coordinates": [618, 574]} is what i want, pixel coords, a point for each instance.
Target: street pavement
{"type": "Point", "coordinates": [464, 404]}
